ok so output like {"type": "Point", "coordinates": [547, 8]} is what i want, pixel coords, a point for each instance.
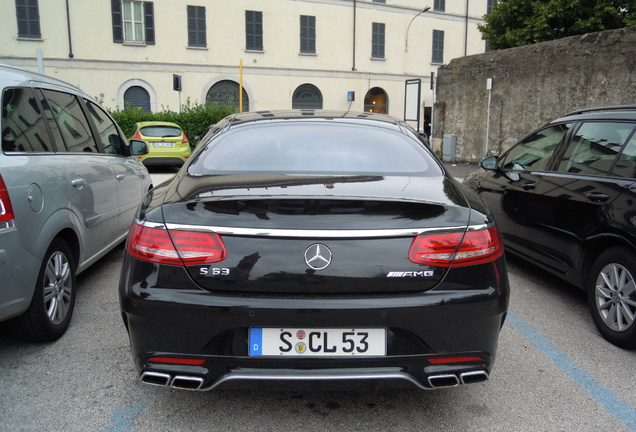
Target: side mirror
{"type": "Point", "coordinates": [138, 147]}
{"type": "Point", "coordinates": [491, 163]}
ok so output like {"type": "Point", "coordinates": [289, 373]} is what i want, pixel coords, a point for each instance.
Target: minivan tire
{"type": "Point", "coordinates": [611, 286]}
{"type": "Point", "coordinates": [53, 302]}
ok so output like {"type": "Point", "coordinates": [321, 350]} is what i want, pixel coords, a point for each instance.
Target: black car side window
{"type": "Point", "coordinates": [534, 152]}
{"type": "Point", "coordinates": [23, 128]}
{"type": "Point", "coordinates": [106, 129]}
{"type": "Point", "coordinates": [626, 164]}
{"type": "Point", "coordinates": [594, 147]}
{"type": "Point", "coordinates": [71, 122]}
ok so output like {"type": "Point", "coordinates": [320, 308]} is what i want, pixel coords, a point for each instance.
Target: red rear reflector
{"type": "Point", "coordinates": [457, 249]}
{"type": "Point", "coordinates": [6, 211]}
{"type": "Point", "coordinates": [174, 247]}
{"type": "Point", "coordinates": [445, 360]}
{"type": "Point", "coordinates": [185, 361]}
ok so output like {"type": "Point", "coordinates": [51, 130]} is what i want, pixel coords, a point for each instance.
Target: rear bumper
{"type": "Point", "coordinates": [213, 328]}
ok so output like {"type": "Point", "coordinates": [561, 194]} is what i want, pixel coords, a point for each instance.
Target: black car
{"type": "Point", "coordinates": [564, 198]}
{"type": "Point", "coordinates": [313, 245]}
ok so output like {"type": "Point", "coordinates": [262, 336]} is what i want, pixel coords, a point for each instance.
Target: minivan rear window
{"type": "Point", "coordinates": [315, 147]}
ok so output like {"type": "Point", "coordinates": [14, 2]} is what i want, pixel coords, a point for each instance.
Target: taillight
{"type": "Point", "coordinates": [6, 211]}
{"type": "Point", "coordinates": [185, 139]}
{"type": "Point", "coordinates": [457, 249]}
{"type": "Point", "coordinates": [137, 136]}
{"type": "Point", "coordinates": [174, 247]}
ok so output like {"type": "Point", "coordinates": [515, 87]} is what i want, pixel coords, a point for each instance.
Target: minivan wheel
{"type": "Point", "coordinates": [51, 308]}
{"type": "Point", "coordinates": [611, 295]}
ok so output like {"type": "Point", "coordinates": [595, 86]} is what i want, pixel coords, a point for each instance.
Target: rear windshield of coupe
{"type": "Point", "coordinates": [314, 148]}
{"type": "Point", "coordinates": [160, 131]}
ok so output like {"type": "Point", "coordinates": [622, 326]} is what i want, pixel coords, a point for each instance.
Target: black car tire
{"type": "Point", "coordinates": [56, 281]}
{"type": "Point", "coordinates": [605, 293]}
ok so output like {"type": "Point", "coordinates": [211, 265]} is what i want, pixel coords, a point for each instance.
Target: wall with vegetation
{"type": "Point", "coordinates": [531, 85]}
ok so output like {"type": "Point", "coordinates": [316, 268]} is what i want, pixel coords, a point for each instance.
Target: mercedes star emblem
{"type": "Point", "coordinates": [318, 256]}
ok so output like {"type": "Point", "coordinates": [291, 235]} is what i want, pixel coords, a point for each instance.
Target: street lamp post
{"type": "Point", "coordinates": [406, 39]}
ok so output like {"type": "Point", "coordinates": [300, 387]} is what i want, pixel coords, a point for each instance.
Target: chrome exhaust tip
{"type": "Point", "coordinates": [155, 378]}
{"type": "Point", "coordinates": [473, 377]}
{"type": "Point", "coordinates": [444, 380]}
{"type": "Point", "coordinates": [185, 382]}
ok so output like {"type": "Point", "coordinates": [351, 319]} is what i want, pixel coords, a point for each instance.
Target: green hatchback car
{"type": "Point", "coordinates": [167, 144]}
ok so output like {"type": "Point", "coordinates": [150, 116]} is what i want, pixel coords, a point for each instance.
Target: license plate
{"type": "Point", "coordinates": [317, 342]}
{"type": "Point", "coordinates": [162, 144]}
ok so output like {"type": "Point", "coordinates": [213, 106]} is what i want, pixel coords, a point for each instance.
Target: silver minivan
{"type": "Point", "coordinates": [70, 184]}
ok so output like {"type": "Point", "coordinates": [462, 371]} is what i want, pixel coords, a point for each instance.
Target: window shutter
{"type": "Point", "coordinates": [34, 19]}
{"type": "Point", "coordinates": [149, 22]}
{"type": "Point", "coordinates": [23, 24]}
{"type": "Point", "coordinates": [192, 26]}
{"type": "Point", "coordinates": [118, 28]}
{"type": "Point", "coordinates": [201, 37]}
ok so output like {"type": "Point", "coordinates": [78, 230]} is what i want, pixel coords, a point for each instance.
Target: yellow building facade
{"type": "Point", "coordinates": [330, 54]}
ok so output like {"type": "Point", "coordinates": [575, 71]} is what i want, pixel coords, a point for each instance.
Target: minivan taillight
{"type": "Point", "coordinates": [457, 249]}
{"type": "Point", "coordinates": [174, 247]}
{"type": "Point", "coordinates": [6, 211]}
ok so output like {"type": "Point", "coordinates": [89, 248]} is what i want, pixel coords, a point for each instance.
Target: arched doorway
{"type": "Point", "coordinates": [377, 101]}
{"type": "Point", "coordinates": [137, 96]}
{"type": "Point", "coordinates": [307, 96]}
{"type": "Point", "coordinates": [226, 92]}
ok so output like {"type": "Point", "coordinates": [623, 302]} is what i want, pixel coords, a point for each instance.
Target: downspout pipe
{"type": "Point", "coordinates": [465, 30]}
{"type": "Point", "coordinates": [68, 23]}
{"type": "Point", "coordinates": [355, 4]}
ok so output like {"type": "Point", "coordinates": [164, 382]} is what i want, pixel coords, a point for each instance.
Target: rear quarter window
{"type": "Point", "coordinates": [312, 147]}
{"type": "Point", "coordinates": [23, 127]}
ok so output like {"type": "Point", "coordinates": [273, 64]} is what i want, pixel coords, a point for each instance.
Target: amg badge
{"type": "Point", "coordinates": [424, 273]}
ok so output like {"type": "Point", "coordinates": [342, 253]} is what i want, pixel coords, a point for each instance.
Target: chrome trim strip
{"type": "Point", "coordinates": [292, 233]}
{"type": "Point", "coordinates": [314, 375]}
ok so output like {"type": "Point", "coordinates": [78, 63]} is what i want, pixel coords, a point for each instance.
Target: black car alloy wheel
{"type": "Point", "coordinates": [612, 296]}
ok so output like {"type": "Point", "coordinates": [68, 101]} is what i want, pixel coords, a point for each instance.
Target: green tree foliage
{"type": "Point", "coordinates": [195, 119]}
{"type": "Point", "coordinates": [521, 22]}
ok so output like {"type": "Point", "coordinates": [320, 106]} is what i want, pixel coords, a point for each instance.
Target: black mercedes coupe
{"type": "Point", "coordinates": [313, 246]}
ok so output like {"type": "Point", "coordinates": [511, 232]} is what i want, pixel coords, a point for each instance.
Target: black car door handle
{"type": "Point", "coordinates": [528, 186]}
{"type": "Point", "coordinates": [597, 197]}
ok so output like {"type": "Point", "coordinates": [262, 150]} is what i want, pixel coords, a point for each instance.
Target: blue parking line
{"type": "Point", "coordinates": [123, 420]}
{"type": "Point", "coordinates": [612, 403]}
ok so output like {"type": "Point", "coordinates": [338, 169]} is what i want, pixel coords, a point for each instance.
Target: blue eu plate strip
{"type": "Point", "coordinates": [256, 341]}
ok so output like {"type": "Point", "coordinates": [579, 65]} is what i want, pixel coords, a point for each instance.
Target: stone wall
{"type": "Point", "coordinates": [530, 86]}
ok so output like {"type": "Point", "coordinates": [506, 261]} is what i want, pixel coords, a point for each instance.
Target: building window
{"type": "Point", "coordinates": [307, 34]}
{"type": "Point", "coordinates": [28, 19]}
{"type": "Point", "coordinates": [253, 30]}
{"type": "Point", "coordinates": [490, 6]}
{"type": "Point", "coordinates": [377, 41]}
{"type": "Point", "coordinates": [137, 96]}
{"type": "Point", "coordinates": [196, 26]}
{"type": "Point", "coordinates": [379, 1]}
{"type": "Point", "coordinates": [438, 46]}
{"type": "Point", "coordinates": [439, 5]}
{"type": "Point", "coordinates": [307, 96]}
{"type": "Point", "coordinates": [133, 21]}
{"type": "Point", "coordinates": [226, 92]}
{"type": "Point", "coordinates": [377, 101]}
